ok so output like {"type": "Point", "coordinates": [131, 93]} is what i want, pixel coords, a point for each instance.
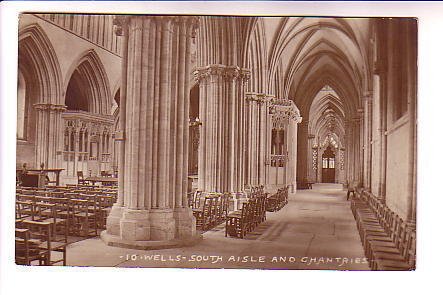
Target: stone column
{"type": "Point", "coordinates": [357, 151]}
{"type": "Point", "coordinates": [263, 137]}
{"type": "Point", "coordinates": [360, 142]}
{"type": "Point", "coordinates": [349, 149]}
{"type": "Point", "coordinates": [153, 211]}
{"type": "Point", "coordinates": [76, 142]}
{"type": "Point", "coordinates": [255, 133]}
{"type": "Point", "coordinates": [368, 140]}
{"type": "Point", "coordinates": [302, 151]}
{"type": "Point", "coordinates": [222, 133]}
{"type": "Point", "coordinates": [48, 142]}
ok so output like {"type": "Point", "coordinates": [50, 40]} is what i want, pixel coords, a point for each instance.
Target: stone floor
{"type": "Point", "coordinates": [315, 230]}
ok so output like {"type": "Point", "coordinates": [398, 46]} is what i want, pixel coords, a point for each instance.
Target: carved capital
{"type": "Point", "coordinates": [229, 73]}
{"type": "Point", "coordinates": [259, 98]}
{"type": "Point", "coordinates": [284, 110]}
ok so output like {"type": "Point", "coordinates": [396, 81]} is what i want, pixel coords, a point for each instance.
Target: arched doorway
{"type": "Point", "coordinates": [328, 166]}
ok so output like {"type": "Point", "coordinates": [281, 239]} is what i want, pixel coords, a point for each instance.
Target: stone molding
{"type": "Point", "coordinates": [228, 73]}
{"type": "Point", "coordinates": [50, 107]}
{"type": "Point", "coordinates": [260, 98]}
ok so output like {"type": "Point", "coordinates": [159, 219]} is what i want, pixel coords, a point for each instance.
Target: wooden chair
{"type": "Point", "coordinates": [237, 223]}
{"type": "Point", "coordinates": [83, 221]}
{"type": "Point", "coordinates": [56, 212]}
{"type": "Point", "coordinates": [203, 213]}
{"type": "Point", "coordinates": [24, 210]}
{"type": "Point", "coordinates": [41, 231]}
{"type": "Point", "coordinates": [27, 250]}
{"type": "Point", "coordinates": [80, 179]}
{"type": "Point", "coordinates": [403, 260]}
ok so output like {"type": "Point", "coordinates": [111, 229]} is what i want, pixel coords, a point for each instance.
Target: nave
{"type": "Point", "coordinates": [315, 230]}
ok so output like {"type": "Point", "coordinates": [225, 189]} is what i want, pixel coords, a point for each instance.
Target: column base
{"type": "Point", "coordinates": [113, 220]}
{"type": "Point", "coordinates": [185, 224]}
{"type": "Point", "coordinates": [150, 229]}
{"type": "Point", "coordinates": [116, 241]}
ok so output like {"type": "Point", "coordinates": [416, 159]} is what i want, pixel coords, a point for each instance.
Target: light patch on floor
{"type": "Point", "coordinates": [315, 230]}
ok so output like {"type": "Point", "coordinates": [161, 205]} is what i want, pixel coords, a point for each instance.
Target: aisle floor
{"type": "Point", "coordinates": [315, 230]}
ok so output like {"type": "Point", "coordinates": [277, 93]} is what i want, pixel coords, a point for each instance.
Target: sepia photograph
{"type": "Point", "coordinates": [216, 141]}
{"type": "Point", "coordinates": [155, 140]}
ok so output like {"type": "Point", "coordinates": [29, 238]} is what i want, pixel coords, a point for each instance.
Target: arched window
{"type": "Point", "coordinates": [72, 141]}
{"type": "Point", "coordinates": [21, 107]}
{"type": "Point", "coordinates": [80, 141]}
{"type": "Point", "coordinates": [66, 142]}
{"type": "Point", "coordinates": [86, 141]}
{"type": "Point", "coordinates": [278, 141]}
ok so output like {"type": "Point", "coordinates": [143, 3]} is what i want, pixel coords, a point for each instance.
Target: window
{"type": "Point", "coordinates": [80, 141]}
{"type": "Point", "coordinates": [66, 143]}
{"type": "Point", "coordinates": [72, 141]}
{"type": "Point", "coordinates": [325, 162]}
{"type": "Point", "coordinates": [278, 141]}
{"type": "Point", "coordinates": [21, 107]}
{"type": "Point", "coordinates": [86, 140]}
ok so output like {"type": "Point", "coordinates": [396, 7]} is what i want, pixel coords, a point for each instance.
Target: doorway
{"type": "Point", "coordinates": [328, 166]}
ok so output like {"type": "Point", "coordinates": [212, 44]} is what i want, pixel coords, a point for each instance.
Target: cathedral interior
{"type": "Point", "coordinates": [217, 142]}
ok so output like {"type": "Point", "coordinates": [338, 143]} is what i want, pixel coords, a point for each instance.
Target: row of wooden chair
{"type": "Point", "coordinates": [46, 216]}
{"type": "Point", "coordinates": [246, 219]}
{"type": "Point", "coordinates": [278, 200]}
{"type": "Point", "coordinates": [389, 243]}
{"type": "Point", "coordinates": [209, 209]}
{"type": "Point", "coordinates": [79, 207]}
{"type": "Point", "coordinates": [38, 241]}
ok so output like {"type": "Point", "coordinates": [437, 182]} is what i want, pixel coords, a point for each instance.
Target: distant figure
{"type": "Point", "coordinates": [351, 189]}
{"type": "Point", "coordinates": [42, 167]}
{"type": "Point", "coordinates": [24, 169]}
{"type": "Point", "coordinates": [22, 173]}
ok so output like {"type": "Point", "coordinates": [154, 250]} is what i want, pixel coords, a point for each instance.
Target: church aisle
{"type": "Point", "coordinates": [315, 230]}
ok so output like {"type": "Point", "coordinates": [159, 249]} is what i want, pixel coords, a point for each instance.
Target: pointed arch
{"type": "Point", "coordinates": [90, 72]}
{"type": "Point", "coordinates": [256, 59]}
{"type": "Point", "coordinates": [38, 62]}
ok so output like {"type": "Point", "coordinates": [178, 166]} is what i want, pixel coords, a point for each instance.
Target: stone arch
{"type": "Point", "coordinates": [41, 74]}
{"type": "Point", "coordinates": [224, 40]}
{"type": "Point", "coordinates": [38, 62]}
{"type": "Point", "coordinates": [89, 72]}
{"type": "Point", "coordinates": [256, 58]}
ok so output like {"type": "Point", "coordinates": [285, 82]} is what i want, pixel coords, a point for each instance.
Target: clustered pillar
{"type": "Point", "coordinates": [49, 126]}
{"type": "Point", "coordinates": [222, 134]}
{"type": "Point", "coordinates": [152, 210]}
{"type": "Point", "coordinates": [256, 149]}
